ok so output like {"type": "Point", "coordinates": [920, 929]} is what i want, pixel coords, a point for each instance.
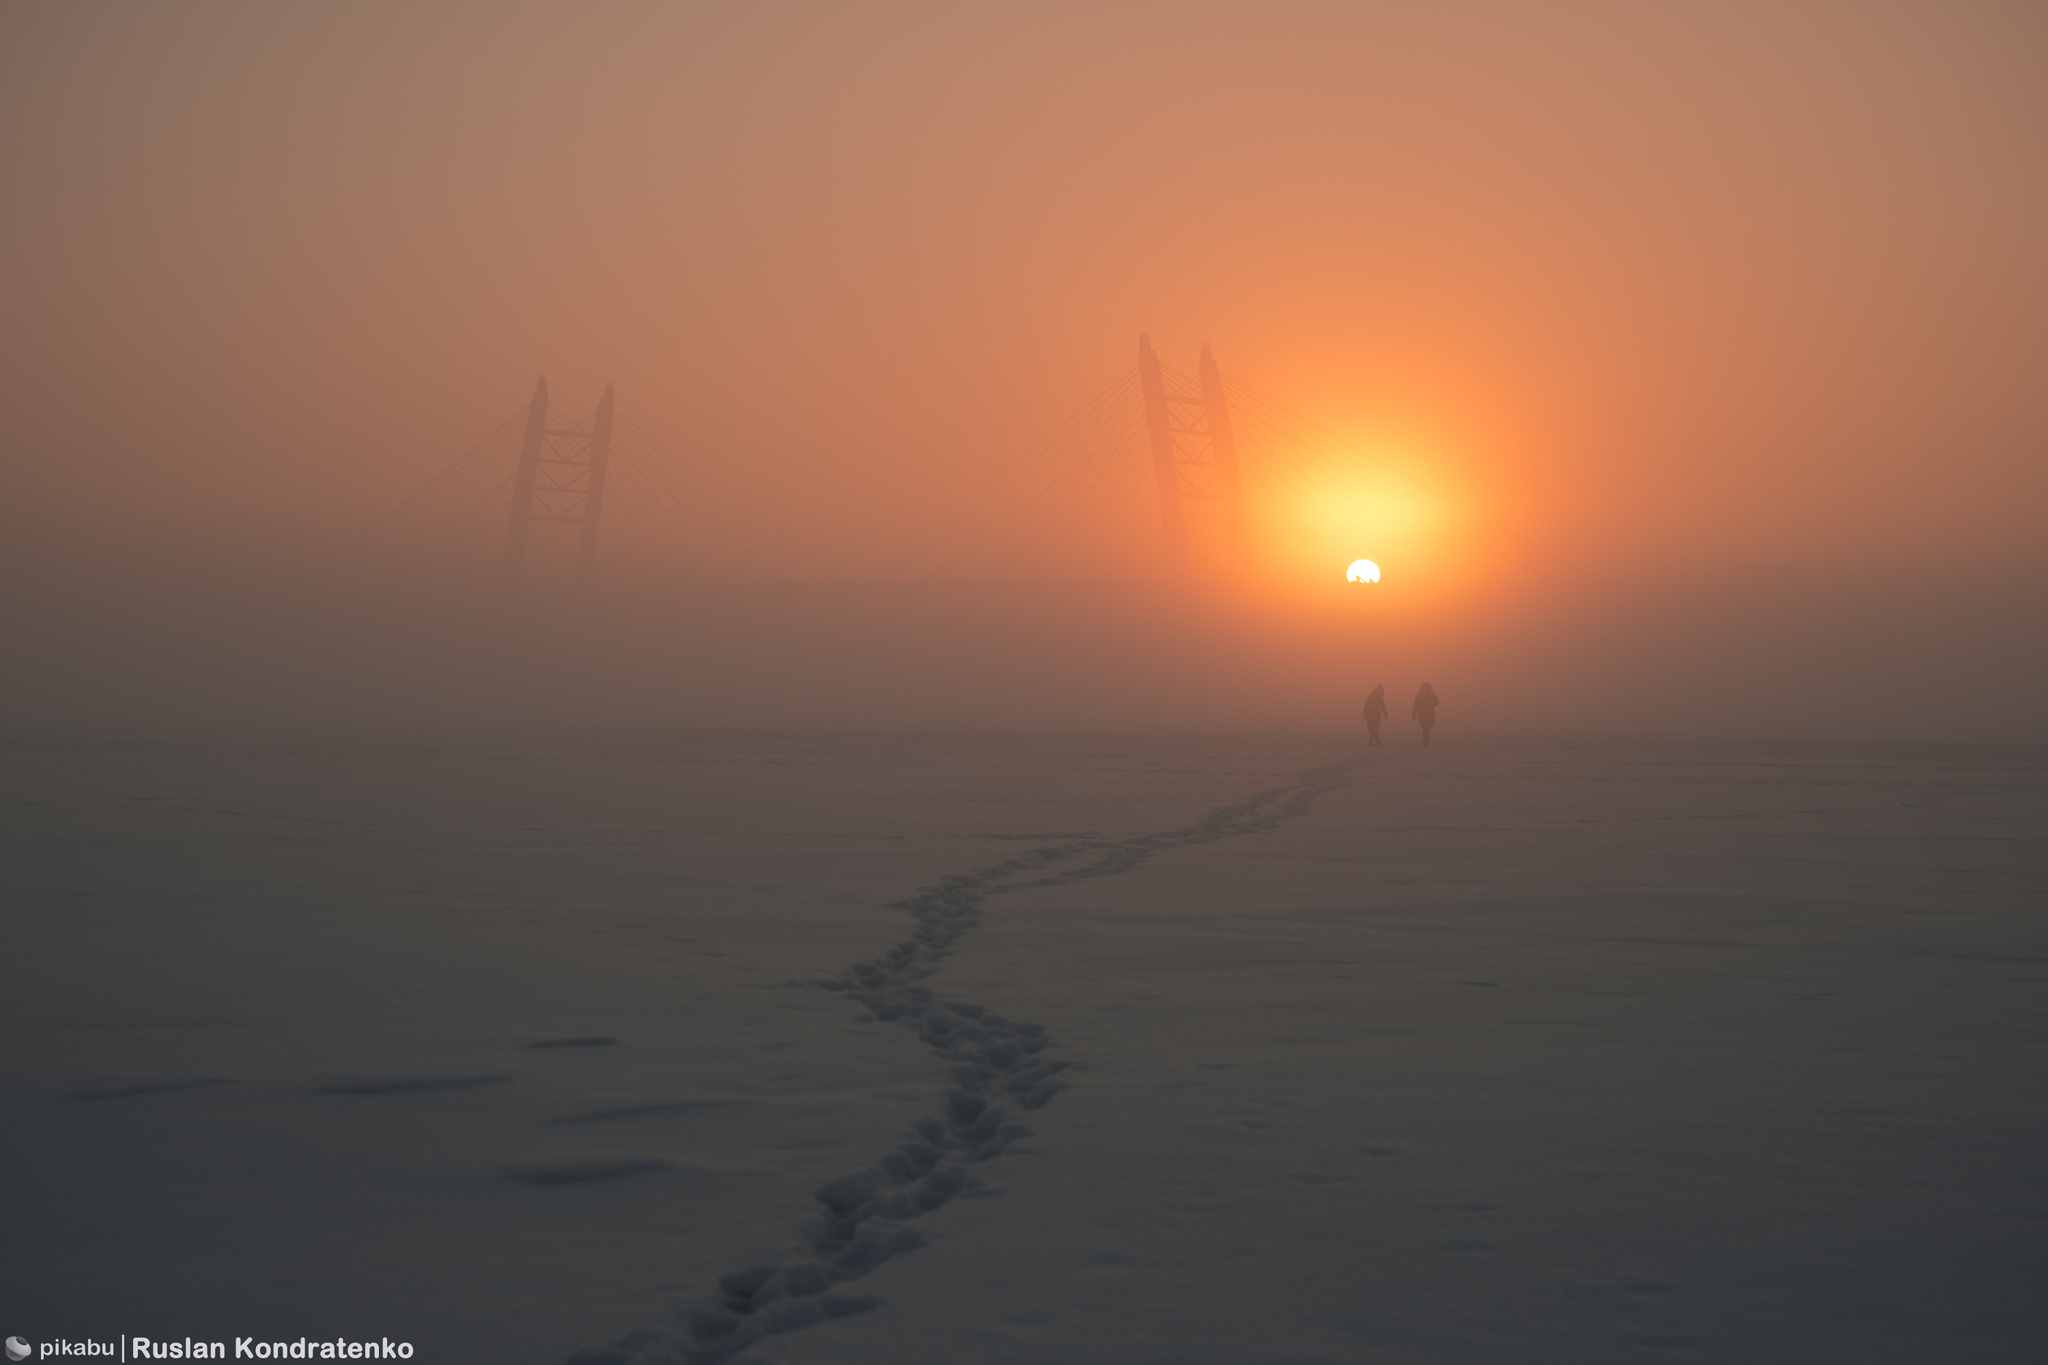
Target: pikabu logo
{"type": "Point", "coordinates": [17, 1349]}
{"type": "Point", "coordinates": [249, 1348]}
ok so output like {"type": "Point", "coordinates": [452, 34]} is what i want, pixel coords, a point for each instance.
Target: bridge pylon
{"type": "Point", "coordinates": [1194, 455]}
{"type": "Point", "coordinates": [561, 478]}
{"type": "Point", "coordinates": [1165, 461]}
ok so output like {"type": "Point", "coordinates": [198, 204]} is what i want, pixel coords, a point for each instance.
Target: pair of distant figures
{"type": "Point", "coordinates": [1424, 711]}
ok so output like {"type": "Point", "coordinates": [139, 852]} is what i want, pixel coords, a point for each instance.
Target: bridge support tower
{"type": "Point", "coordinates": [1194, 455]}
{"type": "Point", "coordinates": [561, 478]}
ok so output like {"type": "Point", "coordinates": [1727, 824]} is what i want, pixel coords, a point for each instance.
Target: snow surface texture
{"type": "Point", "coordinates": [1518, 1049]}
{"type": "Point", "coordinates": [994, 1065]}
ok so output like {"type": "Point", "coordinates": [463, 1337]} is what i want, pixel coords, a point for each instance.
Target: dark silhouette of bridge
{"type": "Point", "coordinates": [1147, 480]}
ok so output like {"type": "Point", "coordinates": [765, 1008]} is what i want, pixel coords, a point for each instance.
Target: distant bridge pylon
{"type": "Point", "coordinates": [1163, 474]}
{"type": "Point", "coordinates": [1194, 453]}
{"type": "Point", "coordinates": [562, 472]}
{"type": "Point", "coordinates": [553, 491]}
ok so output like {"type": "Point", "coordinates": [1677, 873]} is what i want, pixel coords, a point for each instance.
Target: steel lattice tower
{"type": "Point", "coordinates": [1202, 466]}
{"type": "Point", "coordinates": [561, 478]}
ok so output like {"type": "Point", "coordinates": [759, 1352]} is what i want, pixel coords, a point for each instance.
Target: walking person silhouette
{"type": "Point", "coordinates": [1424, 711]}
{"type": "Point", "coordinates": [1375, 712]}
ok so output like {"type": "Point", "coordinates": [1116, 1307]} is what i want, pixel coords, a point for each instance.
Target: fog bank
{"type": "Point", "coordinates": [1757, 652]}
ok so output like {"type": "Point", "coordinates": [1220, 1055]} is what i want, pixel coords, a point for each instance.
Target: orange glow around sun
{"type": "Point", "coordinates": [1397, 500]}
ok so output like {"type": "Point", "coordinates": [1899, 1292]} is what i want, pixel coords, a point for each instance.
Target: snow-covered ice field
{"type": "Point", "coordinates": [1267, 1049]}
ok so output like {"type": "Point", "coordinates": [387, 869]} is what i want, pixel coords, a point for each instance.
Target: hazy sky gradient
{"type": "Point", "coordinates": [1631, 290]}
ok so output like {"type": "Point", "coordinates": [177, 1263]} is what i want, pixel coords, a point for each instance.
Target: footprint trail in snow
{"type": "Point", "coordinates": [996, 1068]}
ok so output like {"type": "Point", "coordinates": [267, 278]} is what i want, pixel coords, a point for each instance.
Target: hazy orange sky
{"type": "Point", "coordinates": [1629, 289]}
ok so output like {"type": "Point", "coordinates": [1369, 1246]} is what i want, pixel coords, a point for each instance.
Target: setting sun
{"type": "Point", "coordinates": [1362, 571]}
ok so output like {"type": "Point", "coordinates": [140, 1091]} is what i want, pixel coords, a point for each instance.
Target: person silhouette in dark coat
{"type": "Point", "coordinates": [1375, 712]}
{"type": "Point", "coordinates": [1424, 711]}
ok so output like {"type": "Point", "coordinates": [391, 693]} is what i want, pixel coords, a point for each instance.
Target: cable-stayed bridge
{"type": "Point", "coordinates": [1162, 475]}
